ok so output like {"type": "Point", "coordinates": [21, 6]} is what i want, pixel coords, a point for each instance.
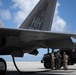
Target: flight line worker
{"type": "Point", "coordinates": [58, 59]}
{"type": "Point", "coordinates": [52, 61]}
{"type": "Point", "coordinates": [65, 61]}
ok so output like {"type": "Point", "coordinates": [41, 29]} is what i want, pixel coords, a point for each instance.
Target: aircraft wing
{"type": "Point", "coordinates": [26, 41]}
{"type": "Point", "coordinates": [31, 35]}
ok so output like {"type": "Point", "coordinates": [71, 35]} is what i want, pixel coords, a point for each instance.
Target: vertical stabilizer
{"type": "Point", "coordinates": [41, 16]}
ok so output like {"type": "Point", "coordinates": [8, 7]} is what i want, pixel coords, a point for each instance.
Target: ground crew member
{"type": "Point", "coordinates": [52, 61]}
{"type": "Point", "coordinates": [58, 59]}
{"type": "Point", "coordinates": [65, 61]}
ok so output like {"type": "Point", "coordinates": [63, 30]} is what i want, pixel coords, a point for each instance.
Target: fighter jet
{"type": "Point", "coordinates": [33, 33]}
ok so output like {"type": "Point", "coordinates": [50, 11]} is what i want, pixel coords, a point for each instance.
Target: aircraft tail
{"type": "Point", "coordinates": [41, 16]}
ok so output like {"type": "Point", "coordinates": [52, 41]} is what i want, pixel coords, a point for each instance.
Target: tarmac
{"type": "Point", "coordinates": [37, 68]}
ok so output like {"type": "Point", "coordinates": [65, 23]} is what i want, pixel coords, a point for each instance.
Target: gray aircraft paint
{"type": "Point", "coordinates": [41, 17]}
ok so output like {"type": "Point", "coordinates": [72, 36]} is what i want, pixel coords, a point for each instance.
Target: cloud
{"type": "Point", "coordinates": [1, 24]}
{"type": "Point", "coordinates": [59, 24]}
{"type": "Point", "coordinates": [25, 7]}
{"type": "Point", "coordinates": [5, 14]}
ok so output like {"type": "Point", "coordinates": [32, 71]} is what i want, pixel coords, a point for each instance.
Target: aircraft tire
{"type": "Point", "coordinates": [3, 66]}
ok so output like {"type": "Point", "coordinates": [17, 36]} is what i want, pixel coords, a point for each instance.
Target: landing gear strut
{"type": "Point", "coordinates": [3, 66]}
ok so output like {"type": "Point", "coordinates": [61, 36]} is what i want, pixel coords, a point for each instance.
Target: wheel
{"type": "Point", "coordinates": [3, 66]}
{"type": "Point", "coordinates": [47, 64]}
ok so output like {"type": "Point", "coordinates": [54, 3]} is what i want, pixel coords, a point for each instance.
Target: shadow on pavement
{"type": "Point", "coordinates": [27, 73]}
{"type": "Point", "coordinates": [46, 72]}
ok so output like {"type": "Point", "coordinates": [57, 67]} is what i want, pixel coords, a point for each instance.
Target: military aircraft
{"type": "Point", "coordinates": [33, 33]}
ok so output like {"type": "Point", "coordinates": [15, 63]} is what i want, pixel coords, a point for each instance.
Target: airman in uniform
{"type": "Point", "coordinates": [65, 61]}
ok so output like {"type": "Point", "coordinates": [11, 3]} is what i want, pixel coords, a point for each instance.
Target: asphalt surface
{"type": "Point", "coordinates": [37, 68]}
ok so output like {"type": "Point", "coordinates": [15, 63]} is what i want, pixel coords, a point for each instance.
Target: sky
{"type": "Point", "coordinates": [14, 12]}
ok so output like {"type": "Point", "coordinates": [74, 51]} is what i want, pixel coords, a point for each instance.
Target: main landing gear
{"type": "Point", "coordinates": [3, 66]}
